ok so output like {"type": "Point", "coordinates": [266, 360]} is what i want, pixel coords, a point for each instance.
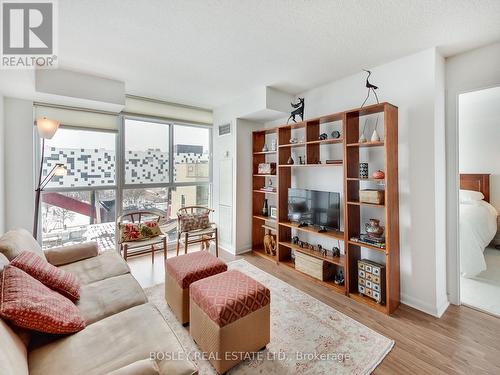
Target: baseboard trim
{"type": "Point", "coordinates": [423, 306]}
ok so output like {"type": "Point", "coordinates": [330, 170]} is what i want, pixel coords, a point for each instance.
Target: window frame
{"type": "Point", "coordinates": [119, 186]}
{"type": "Point", "coordinates": [122, 185]}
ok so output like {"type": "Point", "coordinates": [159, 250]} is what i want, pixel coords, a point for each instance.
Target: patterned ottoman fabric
{"type": "Point", "coordinates": [188, 268]}
{"type": "Point", "coordinates": [229, 296]}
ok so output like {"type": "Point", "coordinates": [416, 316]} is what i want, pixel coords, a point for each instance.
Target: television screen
{"type": "Point", "coordinates": [314, 207]}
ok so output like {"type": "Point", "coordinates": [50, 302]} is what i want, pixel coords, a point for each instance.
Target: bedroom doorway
{"type": "Point", "coordinates": [479, 199]}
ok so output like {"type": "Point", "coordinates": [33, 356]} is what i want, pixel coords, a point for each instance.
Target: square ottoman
{"type": "Point", "coordinates": [183, 270]}
{"type": "Point", "coordinates": [229, 317]}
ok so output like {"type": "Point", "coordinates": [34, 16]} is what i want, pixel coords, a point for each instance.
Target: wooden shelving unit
{"type": "Point", "coordinates": [353, 208]}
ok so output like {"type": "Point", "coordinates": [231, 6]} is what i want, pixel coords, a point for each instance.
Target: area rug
{"type": "Point", "coordinates": [307, 336]}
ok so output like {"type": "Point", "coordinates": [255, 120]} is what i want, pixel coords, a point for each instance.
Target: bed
{"type": "Point", "coordinates": [478, 222]}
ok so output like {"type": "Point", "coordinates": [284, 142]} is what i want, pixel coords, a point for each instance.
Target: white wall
{"type": "Point", "coordinates": [416, 85]}
{"type": "Point", "coordinates": [479, 132]}
{"type": "Point", "coordinates": [2, 174]}
{"type": "Point", "coordinates": [469, 71]}
{"type": "Point", "coordinates": [19, 169]}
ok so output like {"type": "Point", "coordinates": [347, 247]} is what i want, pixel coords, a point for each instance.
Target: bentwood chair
{"type": "Point", "coordinates": [202, 235]}
{"type": "Point", "coordinates": [149, 245]}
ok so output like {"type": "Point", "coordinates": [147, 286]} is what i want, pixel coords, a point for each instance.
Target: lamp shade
{"type": "Point", "coordinates": [60, 170]}
{"type": "Point", "coordinates": [46, 127]}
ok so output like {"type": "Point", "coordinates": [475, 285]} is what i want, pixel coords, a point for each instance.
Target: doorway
{"type": "Point", "coordinates": [479, 199]}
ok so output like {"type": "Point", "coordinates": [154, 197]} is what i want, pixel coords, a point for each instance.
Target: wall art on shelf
{"type": "Point", "coordinates": [298, 111]}
{"type": "Point", "coordinates": [371, 88]}
{"type": "Point", "coordinates": [273, 212]}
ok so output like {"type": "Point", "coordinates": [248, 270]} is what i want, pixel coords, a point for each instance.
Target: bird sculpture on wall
{"type": "Point", "coordinates": [298, 111]}
{"type": "Point", "coordinates": [370, 87]}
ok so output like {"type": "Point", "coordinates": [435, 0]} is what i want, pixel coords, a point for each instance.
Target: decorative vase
{"type": "Point", "coordinates": [375, 136]}
{"type": "Point", "coordinates": [301, 162]}
{"type": "Point", "coordinates": [265, 149]}
{"type": "Point", "coordinates": [265, 208]}
{"type": "Point", "coordinates": [363, 170]}
{"type": "Point", "coordinates": [362, 139]}
{"type": "Point", "coordinates": [379, 175]}
{"type": "Point", "coordinates": [374, 229]}
{"type": "Point", "coordinates": [290, 161]}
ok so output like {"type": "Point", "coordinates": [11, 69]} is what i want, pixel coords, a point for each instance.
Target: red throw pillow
{"type": "Point", "coordinates": [28, 303]}
{"type": "Point", "coordinates": [55, 278]}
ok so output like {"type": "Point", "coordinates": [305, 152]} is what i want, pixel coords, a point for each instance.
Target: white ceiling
{"type": "Point", "coordinates": [206, 52]}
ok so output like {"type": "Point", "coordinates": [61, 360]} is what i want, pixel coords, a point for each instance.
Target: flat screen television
{"type": "Point", "coordinates": [321, 208]}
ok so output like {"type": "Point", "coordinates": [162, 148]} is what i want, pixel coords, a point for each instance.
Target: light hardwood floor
{"type": "Point", "coordinates": [463, 341]}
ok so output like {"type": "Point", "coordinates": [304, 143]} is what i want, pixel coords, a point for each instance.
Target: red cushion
{"type": "Point", "coordinates": [55, 278]}
{"type": "Point", "coordinates": [29, 304]}
{"type": "Point", "coordinates": [229, 296]}
{"type": "Point", "coordinates": [188, 268]}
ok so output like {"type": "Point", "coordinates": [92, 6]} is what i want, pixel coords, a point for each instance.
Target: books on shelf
{"type": "Point", "coordinates": [334, 161]}
{"type": "Point", "coordinates": [365, 239]}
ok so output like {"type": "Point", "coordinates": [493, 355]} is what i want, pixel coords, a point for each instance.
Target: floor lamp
{"type": "Point", "coordinates": [46, 130]}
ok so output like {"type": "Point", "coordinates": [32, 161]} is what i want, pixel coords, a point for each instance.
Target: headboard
{"type": "Point", "coordinates": [476, 182]}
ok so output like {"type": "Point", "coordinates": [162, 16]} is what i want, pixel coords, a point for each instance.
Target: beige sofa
{"type": "Point", "coordinates": [122, 327]}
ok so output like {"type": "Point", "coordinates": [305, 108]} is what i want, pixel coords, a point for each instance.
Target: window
{"type": "Point", "coordinates": [146, 152]}
{"type": "Point", "coordinates": [191, 154]}
{"type": "Point", "coordinates": [79, 206]}
{"type": "Point", "coordinates": [150, 184]}
{"type": "Point", "coordinates": [164, 166]}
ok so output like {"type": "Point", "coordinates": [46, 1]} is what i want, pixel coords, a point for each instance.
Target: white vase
{"type": "Point", "coordinates": [375, 137]}
{"type": "Point", "coordinates": [362, 139]}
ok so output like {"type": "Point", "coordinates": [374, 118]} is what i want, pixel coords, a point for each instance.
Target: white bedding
{"type": "Point", "coordinates": [478, 226]}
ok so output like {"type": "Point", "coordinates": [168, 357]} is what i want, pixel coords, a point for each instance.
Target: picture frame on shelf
{"type": "Point", "coordinates": [273, 212]}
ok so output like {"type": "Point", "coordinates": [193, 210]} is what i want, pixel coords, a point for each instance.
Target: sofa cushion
{"type": "Point", "coordinates": [3, 262]}
{"type": "Point", "coordinates": [55, 278]}
{"type": "Point", "coordinates": [142, 367]}
{"type": "Point", "coordinates": [13, 356]}
{"type": "Point", "coordinates": [107, 264]}
{"type": "Point", "coordinates": [130, 232]}
{"type": "Point", "coordinates": [29, 304]}
{"type": "Point", "coordinates": [58, 256]}
{"type": "Point", "coordinates": [15, 241]}
{"type": "Point", "coordinates": [109, 296]}
{"type": "Point", "coordinates": [111, 344]}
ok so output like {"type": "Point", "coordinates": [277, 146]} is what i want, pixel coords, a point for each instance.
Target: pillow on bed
{"type": "Point", "coordinates": [469, 195]}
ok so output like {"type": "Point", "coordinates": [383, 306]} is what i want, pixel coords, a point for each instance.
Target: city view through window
{"type": "Point", "coordinates": [82, 205]}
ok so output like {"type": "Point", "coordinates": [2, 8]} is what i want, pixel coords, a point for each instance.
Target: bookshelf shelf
{"type": "Point", "coordinates": [388, 212]}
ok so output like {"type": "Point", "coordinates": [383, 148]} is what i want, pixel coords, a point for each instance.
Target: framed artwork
{"type": "Point", "coordinates": [273, 212]}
